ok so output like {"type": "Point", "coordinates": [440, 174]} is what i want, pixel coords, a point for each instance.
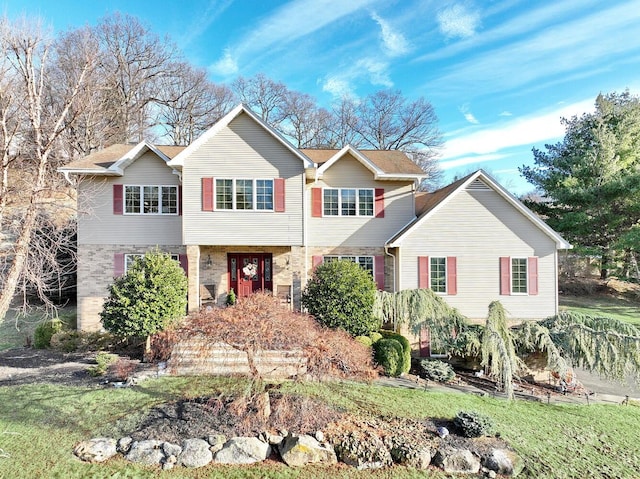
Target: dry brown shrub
{"type": "Point", "coordinates": [122, 369]}
{"type": "Point", "coordinates": [301, 414]}
{"type": "Point", "coordinates": [260, 322]}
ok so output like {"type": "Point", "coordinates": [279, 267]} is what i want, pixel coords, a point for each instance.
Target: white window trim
{"type": "Point", "coordinates": [357, 257]}
{"type": "Point", "coordinates": [130, 258]}
{"type": "Point", "coordinates": [446, 276]}
{"type": "Point", "coordinates": [526, 275]}
{"type": "Point", "coordinates": [357, 190]}
{"type": "Point", "coordinates": [142, 213]}
{"type": "Point", "coordinates": [254, 200]}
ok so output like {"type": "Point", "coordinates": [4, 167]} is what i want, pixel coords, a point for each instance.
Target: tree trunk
{"type": "Point", "coordinates": [604, 265]}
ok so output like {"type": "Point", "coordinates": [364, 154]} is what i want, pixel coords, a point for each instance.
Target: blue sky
{"type": "Point", "coordinates": [499, 73]}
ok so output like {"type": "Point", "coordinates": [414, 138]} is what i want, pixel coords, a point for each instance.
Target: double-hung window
{"type": "Point", "coordinates": [365, 262]}
{"type": "Point", "coordinates": [348, 202]}
{"type": "Point", "coordinates": [243, 194]}
{"type": "Point", "coordinates": [151, 200]}
{"type": "Point", "coordinates": [438, 274]}
{"type": "Point", "coordinates": [129, 258]}
{"type": "Point", "coordinates": [519, 276]}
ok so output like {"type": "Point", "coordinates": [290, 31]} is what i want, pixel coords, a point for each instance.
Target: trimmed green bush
{"type": "Point", "coordinates": [436, 370]}
{"type": "Point", "coordinates": [406, 347]}
{"type": "Point", "coordinates": [340, 295]}
{"type": "Point", "coordinates": [388, 354]}
{"type": "Point", "coordinates": [103, 361]}
{"type": "Point", "coordinates": [473, 424]}
{"type": "Point", "coordinates": [375, 337]}
{"type": "Point", "coordinates": [44, 331]}
{"type": "Point", "coordinates": [69, 341]}
{"type": "Point", "coordinates": [366, 340]}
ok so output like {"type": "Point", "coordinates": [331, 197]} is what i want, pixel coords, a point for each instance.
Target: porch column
{"type": "Point", "coordinates": [193, 259]}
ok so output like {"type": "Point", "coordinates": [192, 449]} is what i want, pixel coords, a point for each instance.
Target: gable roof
{"type": "Point", "coordinates": [178, 160]}
{"type": "Point", "coordinates": [384, 164]}
{"type": "Point", "coordinates": [113, 160]}
{"type": "Point", "coordinates": [431, 202]}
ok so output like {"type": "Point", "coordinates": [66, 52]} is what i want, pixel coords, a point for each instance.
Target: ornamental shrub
{"type": "Point", "coordinates": [340, 295]}
{"type": "Point", "coordinates": [388, 354]}
{"type": "Point", "coordinates": [406, 347]}
{"type": "Point", "coordinates": [436, 370]}
{"type": "Point", "coordinates": [375, 337]}
{"type": "Point", "coordinates": [366, 340]}
{"type": "Point", "coordinates": [44, 331]}
{"type": "Point", "coordinates": [473, 424]}
{"type": "Point", "coordinates": [151, 296]}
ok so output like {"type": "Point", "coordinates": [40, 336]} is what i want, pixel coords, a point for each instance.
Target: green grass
{"type": "Point", "coordinates": [17, 329]}
{"type": "Point", "coordinates": [610, 307]}
{"type": "Point", "coordinates": [40, 424]}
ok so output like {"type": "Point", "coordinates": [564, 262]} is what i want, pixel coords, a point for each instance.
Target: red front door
{"type": "Point", "coordinates": [250, 272]}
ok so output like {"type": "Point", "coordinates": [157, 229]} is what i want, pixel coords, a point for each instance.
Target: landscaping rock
{"type": "Point", "coordinates": [303, 450]}
{"type": "Point", "coordinates": [243, 450]}
{"type": "Point", "coordinates": [363, 450]}
{"type": "Point", "coordinates": [98, 449]}
{"type": "Point", "coordinates": [454, 460]}
{"type": "Point", "coordinates": [413, 455]}
{"type": "Point", "coordinates": [171, 449]}
{"type": "Point", "coordinates": [195, 453]}
{"type": "Point", "coordinates": [147, 452]}
{"type": "Point", "coordinates": [216, 441]}
{"type": "Point", "coordinates": [124, 444]}
{"type": "Point", "coordinates": [504, 462]}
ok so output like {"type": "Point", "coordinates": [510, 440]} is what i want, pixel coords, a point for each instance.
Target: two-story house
{"type": "Point", "coordinates": [242, 208]}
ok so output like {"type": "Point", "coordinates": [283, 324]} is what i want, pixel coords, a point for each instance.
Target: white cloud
{"type": "Point", "coordinates": [337, 87]}
{"type": "Point", "coordinates": [464, 109]}
{"type": "Point", "coordinates": [378, 71]}
{"type": "Point", "coordinates": [394, 43]}
{"type": "Point", "coordinates": [518, 132]}
{"type": "Point", "coordinates": [506, 113]}
{"type": "Point", "coordinates": [226, 66]}
{"type": "Point", "coordinates": [457, 21]}
{"type": "Point", "coordinates": [469, 160]}
{"type": "Point", "coordinates": [202, 22]}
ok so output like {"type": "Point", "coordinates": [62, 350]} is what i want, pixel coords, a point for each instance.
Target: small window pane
{"type": "Point", "coordinates": [348, 202]}
{"type": "Point", "coordinates": [129, 259]}
{"type": "Point", "coordinates": [244, 194]}
{"type": "Point", "coordinates": [169, 200]}
{"type": "Point", "coordinates": [151, 200]}
{"type": "Point", "coordinates": [365, 202]}
{"type": "Point", "coordinates": [264, 194]}
{"type": "Point", "coordinates": [519, 275]}
{"type": "Point", "coordinates": [224, 194]}
{"type": "Point", "coordinates": [439, 275]}
{"type": "Point", "coordinates": [267, 269]}
{"type": "Point", "coordinates": [132, 199]}
{"type": "Point", "coordinates": [366, 263]}
{"type": "Point", "coordinates": [234, 269]}
{"type": "Point", "coordinates": [330, 202]}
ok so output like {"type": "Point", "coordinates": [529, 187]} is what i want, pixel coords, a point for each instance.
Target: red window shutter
{"type": "Point", "coordinates": [184, 263]}
{"type": "Point", "coordinates": [118, 265]}
{"type": "Point", "coordinates": [379, 202]}
{"type": "Point", "coordinates": [278, 190]}
{"type": "Point", "coordinates": [316, 202]}
{"type": "Point", "coordinates": [505, 275]}
{"type": "Point", "coordinates": [452, 275]}
{"type": "Point", "coordinates": [378, 270]}
{"type": "Point", "coordinates": [532, 269]}
{"type": "Point", "coordinates": [425, 342]}
{"type": "Point", "coordinates": [180, 200]}
{"type": "Point", "coordinates": [207, 194]}
{"type": "Point", "coordinates": [316, 260]}
{"type": "Point", "coordinates": [423, 272]}
{"type": "Point", "coordinates": [117, 200]}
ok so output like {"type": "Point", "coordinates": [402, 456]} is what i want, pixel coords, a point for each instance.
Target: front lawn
{"type": "Point", "coordinates": [602, 306]}
{"type": "Point", "coordinates": [40, 424]}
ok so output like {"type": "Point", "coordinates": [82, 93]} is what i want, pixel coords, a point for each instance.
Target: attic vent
{"type": "Point", "coordinates": [478, 185]}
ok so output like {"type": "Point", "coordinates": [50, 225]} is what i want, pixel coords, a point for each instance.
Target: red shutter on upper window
{"type": "Point", "coordinates": [452, 275]}
{"type": "Point", "coordinates": [316, 260]}
{"type": "Point", "coordinates": [117, 200]}
{"type": "Point", "coordinates": [378, 269]}
{"type": "Point", "coordinates": [423, 272]}
{"type": "Point", "coordinates": [532, 269]}
{"type": "Point", "coordinates": [207, 194]}
{"type": "Point", "coordinates": [184, 263]}
{"type": "Point", "coordinates": [505, 275]}
{"type": "Point", "coordinates": [316, 202]}
{"type": "Point", "coordinates": [118, 265]}
{"type": "Point", "coordinates": [379, 203]}
{"type": "Point", "coordinates": [180, 200]}
{"type": "Point", "coordinates": [278, 192]}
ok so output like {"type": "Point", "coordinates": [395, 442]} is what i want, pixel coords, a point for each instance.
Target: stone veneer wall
{"type": "Point", "coordinates": [95, 274]}
{"type": "Point", "coordinates": [353, 251]}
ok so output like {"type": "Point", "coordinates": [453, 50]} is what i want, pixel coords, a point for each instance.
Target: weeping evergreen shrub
{"type": "Point", "coordinates": [473, 424]}
{"type": "Point", "coordinates": [388, 354]}
{"type": "Point", "coordinates": [436, 370]}
{"type": "Point", "coordinates": [406, 347]}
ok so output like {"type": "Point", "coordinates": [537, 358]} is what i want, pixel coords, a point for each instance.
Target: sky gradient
{"type": "Point", "coordinates": [500, 74]}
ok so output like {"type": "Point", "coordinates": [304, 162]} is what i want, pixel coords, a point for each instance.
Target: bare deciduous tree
{"type": "Point", "coordinates": [263, 95]}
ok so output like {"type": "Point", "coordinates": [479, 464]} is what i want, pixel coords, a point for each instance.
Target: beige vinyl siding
{"type": "Point", "coordinates": [243, 150]}
{"type": "Point", "coordinates": [357, 230]}
{"type": "Point", "coordinates": [478, 227]}
{"type": "Point", "coordinates": [98, 225]}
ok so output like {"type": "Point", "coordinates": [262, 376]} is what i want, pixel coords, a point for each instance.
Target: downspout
{"type": "Point", "coordinates": [386, 251]}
